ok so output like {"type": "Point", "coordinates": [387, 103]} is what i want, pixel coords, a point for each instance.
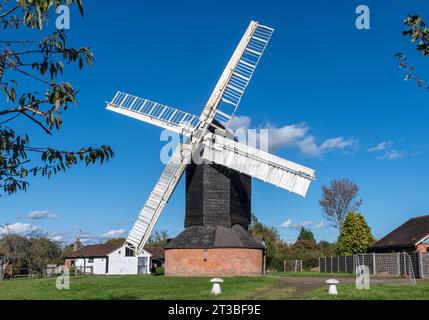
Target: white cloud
{"type": "Point", "coordinates": [338, 143]}
{"type": "Point", "coordinates": [296, 136]}
{"type": "Point", "coordinates": [389, 153]}
{"type": "Point", "coordinates": [114, 233]}
{"type": "Point", "coordinates": [393, 155]}
{"type": "Point", "coordinates": [56, 237]}
{"type": "Point", "coordinates": [40, 214]}
{"type": "Point", "coordinates": [17, 228]}
{"type": "Point", "coordinates": [289, 224]}
{"type": "Point", "coordinates": [240, 122]}
{"type": "Point", "coordinates": [381, 146]}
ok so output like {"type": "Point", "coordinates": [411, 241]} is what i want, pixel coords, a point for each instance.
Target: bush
{"type": "Point", "coordinates": [159, 271]}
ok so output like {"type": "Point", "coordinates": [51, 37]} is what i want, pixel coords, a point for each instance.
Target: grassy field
{"type": "Point", "coordinates": [278, 285]}
{"type": "Point", "coordinates": [132, 287]}
{"type": "Point", "coordinates": [376, 292]}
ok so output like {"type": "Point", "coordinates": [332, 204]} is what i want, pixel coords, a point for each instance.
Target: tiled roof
{"type": "Point", "coordinates": [407, 234]}
{"type": "Point", "coordinates": [212, 236]}
{"type": "Point", "coordinates": [156, 252]}
{"type": "Point", "coordinates": [95, 250]}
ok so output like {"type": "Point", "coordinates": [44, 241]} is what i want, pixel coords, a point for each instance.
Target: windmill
{"type": "Point", "coordinates": [200, 135]}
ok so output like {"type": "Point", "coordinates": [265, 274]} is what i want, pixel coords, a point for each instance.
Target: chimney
{"type": "Point", "coordinates": [77, 244]}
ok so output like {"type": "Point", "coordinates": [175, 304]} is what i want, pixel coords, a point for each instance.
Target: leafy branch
{"type": "Point", "coordinates": [29, 82]}
{"type": "Point", "coordinates": [418, 32]}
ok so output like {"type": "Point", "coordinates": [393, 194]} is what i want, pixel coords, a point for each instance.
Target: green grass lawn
{"type": "Point", "coordinates": [376, 292]}
{"type": "Point", "coordinates": [132, 287]}
{"type": "Point", "coordinates": [277, 285]}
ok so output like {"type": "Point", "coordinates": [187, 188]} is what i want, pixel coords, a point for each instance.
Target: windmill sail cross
{"type": "Point", "coordinates": [220, 108]}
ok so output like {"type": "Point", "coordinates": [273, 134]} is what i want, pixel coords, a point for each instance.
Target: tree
{"type": "Point", "coordinates": [41, 252]}
{"type": "Point", "coordinates": [158, 239]}
{"type": "Point", "coordinates": [275, 246]}
{"type": "Point", "coordinates": [32, 252]}
{"type": "Point", "coordinates": [419, 33]}
{"type": "Point", "coordinates": [355, 237]}
{"type": "Point", "coordinates": [338, 199]}
{"type": "Point", "coordinates": [32, 86]}
{"type": "Point", "coordinates": [14, 249]}
{"type": "Point", "coordinates": [306, 234]}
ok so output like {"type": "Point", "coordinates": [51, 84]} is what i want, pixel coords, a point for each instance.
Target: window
{"type": "Point", "coordinates": [129, 252]}
{"type": "Point", "coordinates": [427, 249]}
{"type": "Point", "coordinates": [90, 260]}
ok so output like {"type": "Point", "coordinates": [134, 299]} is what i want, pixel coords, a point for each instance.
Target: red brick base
{"type": "Point", "coordinates": [211, 262]}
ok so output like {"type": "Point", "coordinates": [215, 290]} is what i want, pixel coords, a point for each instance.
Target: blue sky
{"type": "Point", "coordinates": [333, 95]}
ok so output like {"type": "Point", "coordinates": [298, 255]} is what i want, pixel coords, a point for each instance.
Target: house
{"type": "Point", "coordinates": [114, 258]}
{"type": "Point", "coordinates": [411, 236]}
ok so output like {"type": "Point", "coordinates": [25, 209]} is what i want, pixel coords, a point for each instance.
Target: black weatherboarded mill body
{"type": "Point", "coordinates": [218, 209]}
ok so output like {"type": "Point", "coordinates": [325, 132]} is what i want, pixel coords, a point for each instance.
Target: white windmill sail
{"type": "Point", "coordinates": [237, 74]}
{"type": "Point", "coordinates": [159, 196]}
{"type": "Point", "coordinates": [154, 113]}
{"type": "Point", "coordinates": [257, 163]}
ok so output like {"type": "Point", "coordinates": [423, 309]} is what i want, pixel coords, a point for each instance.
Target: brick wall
{"type": "Point", "coordinates": [423, 247]}
{"type": "Point", "coordinates": [208, 262]}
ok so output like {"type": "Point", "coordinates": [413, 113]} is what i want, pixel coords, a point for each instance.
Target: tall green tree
{"type": "Point", "coordinates": [306, 234]}
{"type": "Point", "coordinates": [355, 236]}
{"type": "Point", "coordinates": [33, 89]}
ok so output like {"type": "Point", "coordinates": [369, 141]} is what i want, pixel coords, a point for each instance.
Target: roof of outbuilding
{"type": "Point", "coordinates": [103, 250]}
{"type": "Point", "coordinates": [95, 250]}
{"type": "Point", "coordinates": [156, 252]}
{"type": "Point", "coordinates": [406, 235]}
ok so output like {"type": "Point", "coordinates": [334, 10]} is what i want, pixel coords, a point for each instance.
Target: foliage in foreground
{"type": "Point", "coordinates": [32, 89]}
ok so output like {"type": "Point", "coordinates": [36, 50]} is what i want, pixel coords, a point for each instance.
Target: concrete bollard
{"type": "Point", "coordinates": [216, 285]}
{"type": "Point", "coordinates": [332, 286]}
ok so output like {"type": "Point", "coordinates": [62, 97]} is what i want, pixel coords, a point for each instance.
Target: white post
{"type": "Point", "coordinates": [405, 264]}
{"type": "Point", "coordinates": [398, 263]}
{"type": "Point", "coordinates": [373, 263]}
{"type": "Point", "coordinates": [419, 257]}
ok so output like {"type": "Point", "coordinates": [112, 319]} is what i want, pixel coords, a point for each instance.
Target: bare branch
{"type": "Point", "coordinates": [2, 15]}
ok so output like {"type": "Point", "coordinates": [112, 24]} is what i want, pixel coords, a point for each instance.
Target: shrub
{"type": "Point", "coordinates": [159, 271]}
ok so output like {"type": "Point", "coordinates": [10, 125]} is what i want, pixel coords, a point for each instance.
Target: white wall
{"type": "Point", "coordinates": [99, 265]}
{"type": "Point", "coordinates": [120, 264]}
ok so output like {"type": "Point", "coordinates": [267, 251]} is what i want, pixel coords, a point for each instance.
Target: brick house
{"type": "Point", "coordinates": [411, 236]}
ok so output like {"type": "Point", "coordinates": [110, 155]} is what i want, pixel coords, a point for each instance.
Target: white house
{"type": "Point", "coordinates": [114, 258]}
